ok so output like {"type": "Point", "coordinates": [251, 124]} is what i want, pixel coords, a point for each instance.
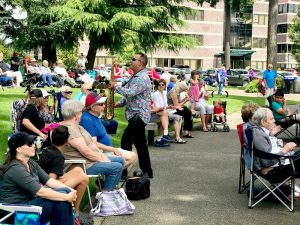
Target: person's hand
{"type": "Point", "coordinates": [103, 158]}
{"type": "Point", "coordinates": [290, 146]}
{"type": "Point", "coordinates": [117, 105]}
{"type": "Point", "coordinates": [72, 196]}
{"type": "Point", "coordinates": [44, 137]}
{"type": "Point", "coordinates": [117, 152]}
{"type": "Point", "coordinates": [276, 129]}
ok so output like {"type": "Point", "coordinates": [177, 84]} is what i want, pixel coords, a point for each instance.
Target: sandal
{"type": "Point", "coordinates": [188, 135]}
{"type": "Point", "coordinates": [180, 141]}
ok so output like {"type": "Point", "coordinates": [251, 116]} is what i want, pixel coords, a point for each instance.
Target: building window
{"type": "Point", "coordinates": [196, 15]}
{"type": "Point", "coordinates": [259, 19]}
{"type": "Point", "coordinates": [287, 8]}
{"type": "Point", "coordinates": [284, 48]}
{"type": "Point", "coordinates": [259, 42]}
{"type": "Point", "coordinates": [282, 28]}
{"type": "Point", "coordinates": [198, 38]}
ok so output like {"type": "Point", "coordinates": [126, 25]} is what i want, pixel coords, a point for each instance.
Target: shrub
{"type": "Point", "coordinates": [252, 87]}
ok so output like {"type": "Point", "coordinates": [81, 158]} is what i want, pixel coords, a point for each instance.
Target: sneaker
{"type": "Point", "coordinates": [161, 143]}
{"type": "Point", "coordinates": [167, 138]}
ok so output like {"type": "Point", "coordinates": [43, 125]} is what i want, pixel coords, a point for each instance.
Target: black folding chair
{"type": "Point", "coordinates": [270, 188]}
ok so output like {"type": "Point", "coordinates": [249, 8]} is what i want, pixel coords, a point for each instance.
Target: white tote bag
{"type": "Point", "coordinates": [112, 203]}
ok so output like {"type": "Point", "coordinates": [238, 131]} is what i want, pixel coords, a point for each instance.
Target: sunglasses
{"type": "Point", "coordinates": [134, 59]}
{"type": "Point", "coordinates": [90, 89]}
{"type": "Point", "coordinates": [161, 85]}
{"type": "Point", "coordinates": [68, 92]}
{"type": "Point", "coordinates": [30, 144]}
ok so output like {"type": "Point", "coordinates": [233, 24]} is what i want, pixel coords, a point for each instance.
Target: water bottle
{"type": "Point", "coordinates": [38, 144]}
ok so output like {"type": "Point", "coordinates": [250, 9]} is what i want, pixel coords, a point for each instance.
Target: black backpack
{"type": "Point", "coordinates": [137, 187]}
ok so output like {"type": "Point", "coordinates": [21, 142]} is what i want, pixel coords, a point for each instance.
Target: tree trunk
{"type": "Point", "coordinates": [49, 52]}
{"type": "Point", "coordinates": [226, 39]}
{"type": "Point", "coordinates": [91, 56]}
{"type": "Point", "coordinates": [272, 33]}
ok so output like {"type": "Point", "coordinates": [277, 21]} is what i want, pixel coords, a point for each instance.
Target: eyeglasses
{"type": "Point", "coordinates": [161, 85]}
{"type": "Point", "coordinates": [68, 92]}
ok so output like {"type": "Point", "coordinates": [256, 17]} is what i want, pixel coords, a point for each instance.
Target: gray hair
{"type": "Point", "coordinates": [260, 115]}
{"type": "Point", "coordinates": [70, 108]}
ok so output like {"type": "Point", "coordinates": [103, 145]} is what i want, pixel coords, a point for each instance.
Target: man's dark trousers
{"type": "Point", "coordinates": [135, 134]}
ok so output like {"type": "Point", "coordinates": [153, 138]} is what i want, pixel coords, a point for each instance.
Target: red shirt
{"type": "Point", "coordinates": [218, 110]}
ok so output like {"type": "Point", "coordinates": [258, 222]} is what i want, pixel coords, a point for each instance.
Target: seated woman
{"type": "Point", "coordinates": [31, 122]}
{"type": "Point", "coordinates": [52, 161]}
{"type": "Point", "coordinates": [280, 111]}
{"type": "Point", "coordinates": [174, 103]}
{"type": "Point", "coordinates": [81, 146]}
{"type": "Point", "coordinates": [161, 108]}
{"type": "Point", "coordinates": [22, 181]}
{"type": "Point", "coordinates": [202, 106]}
{"type": "Point", "coordinates": [45, 110]}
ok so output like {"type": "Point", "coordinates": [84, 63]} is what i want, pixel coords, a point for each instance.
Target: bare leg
{"type": "Point", "coordinates": [164, 119]}
{"type": "Point", "coordinates": [207, 118]}
{"type": "Point", "coordinates": [204, 122]}
{"type": "Point", "coordinates": [130, 157]}
{"type": "Point", "coordinates": [77, 179]}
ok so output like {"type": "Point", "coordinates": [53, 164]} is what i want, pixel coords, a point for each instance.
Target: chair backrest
{"type": "Point", "coordinates": [57, 112]}
{"type": "Point", "coordinates": [17, 109]}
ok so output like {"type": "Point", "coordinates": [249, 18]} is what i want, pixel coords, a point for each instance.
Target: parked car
{"type": "Point", "coordinates": [238, 77]}
{"type": "Point", "coordinates": [209, 76]}
{"type": "Point", "coordinates": [292, 70]}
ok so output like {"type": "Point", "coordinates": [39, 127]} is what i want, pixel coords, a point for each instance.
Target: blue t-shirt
{"type": "Point", "coordinates": [275, 107]}
{"type": "Point", "coordinates": [94, 126]}
{"type": "Point", "coordinates": [269, 76]}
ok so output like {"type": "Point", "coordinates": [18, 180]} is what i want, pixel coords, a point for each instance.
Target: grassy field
{"type": "Point", "coordinates": [234, 104]}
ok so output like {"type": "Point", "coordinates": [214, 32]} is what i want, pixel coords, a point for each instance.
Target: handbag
{"type": "Point", "coordinates": [112, 203]}
{"type": "Point", "coordinates": [137, 187]}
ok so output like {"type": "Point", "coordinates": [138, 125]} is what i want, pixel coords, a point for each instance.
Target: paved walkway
{"type": "Point", "coordinates": [197, 184]}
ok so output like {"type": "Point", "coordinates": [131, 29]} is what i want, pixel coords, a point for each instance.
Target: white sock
{"type": "Point", "coordinates": [166, 132]}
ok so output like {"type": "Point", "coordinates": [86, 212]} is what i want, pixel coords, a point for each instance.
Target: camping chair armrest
{"type": "Point", "coordinates": [72, 161]}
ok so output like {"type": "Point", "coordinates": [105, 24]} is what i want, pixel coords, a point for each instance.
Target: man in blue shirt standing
{"type": "Point", "coordinates": [222, 75]}
{"type": "Point", "coordinates": [269, 77]}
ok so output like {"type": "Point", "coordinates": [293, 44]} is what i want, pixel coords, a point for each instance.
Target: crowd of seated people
{"type": "Point", "coordinates": [82, 146]}
{"type": "Point", "coordinates": [94, 107]}
{"type": "Point", "coordinates": [10, 71]}
{"type": "Point", "coordinates": [46, 77]}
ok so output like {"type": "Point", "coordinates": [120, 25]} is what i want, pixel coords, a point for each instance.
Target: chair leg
{"type": "Point", "coordinates": [89, 196]}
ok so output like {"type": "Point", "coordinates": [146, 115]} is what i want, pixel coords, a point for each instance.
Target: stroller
{"type": "Point", "coordinates": [217, 120]}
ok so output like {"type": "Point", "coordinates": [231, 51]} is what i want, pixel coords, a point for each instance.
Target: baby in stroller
{"type": "Point", "coordinates": [219, 116]}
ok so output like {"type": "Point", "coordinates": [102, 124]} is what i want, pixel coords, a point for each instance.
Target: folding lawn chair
{"type": "Point", "coordinates": [35, 211]}
{"type": "Point", "coordinates": [274, 188]}
{"type": "Point", "coordinates": [83, 162]}
{"type": "Point", "coordinates": [242, 183]}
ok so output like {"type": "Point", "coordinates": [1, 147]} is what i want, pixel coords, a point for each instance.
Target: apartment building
{"type": "Point", "coordinates": [248, 38]}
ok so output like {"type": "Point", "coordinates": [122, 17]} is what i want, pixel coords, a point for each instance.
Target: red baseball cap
{"type": "Point", "coordinates": [93, 98]}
